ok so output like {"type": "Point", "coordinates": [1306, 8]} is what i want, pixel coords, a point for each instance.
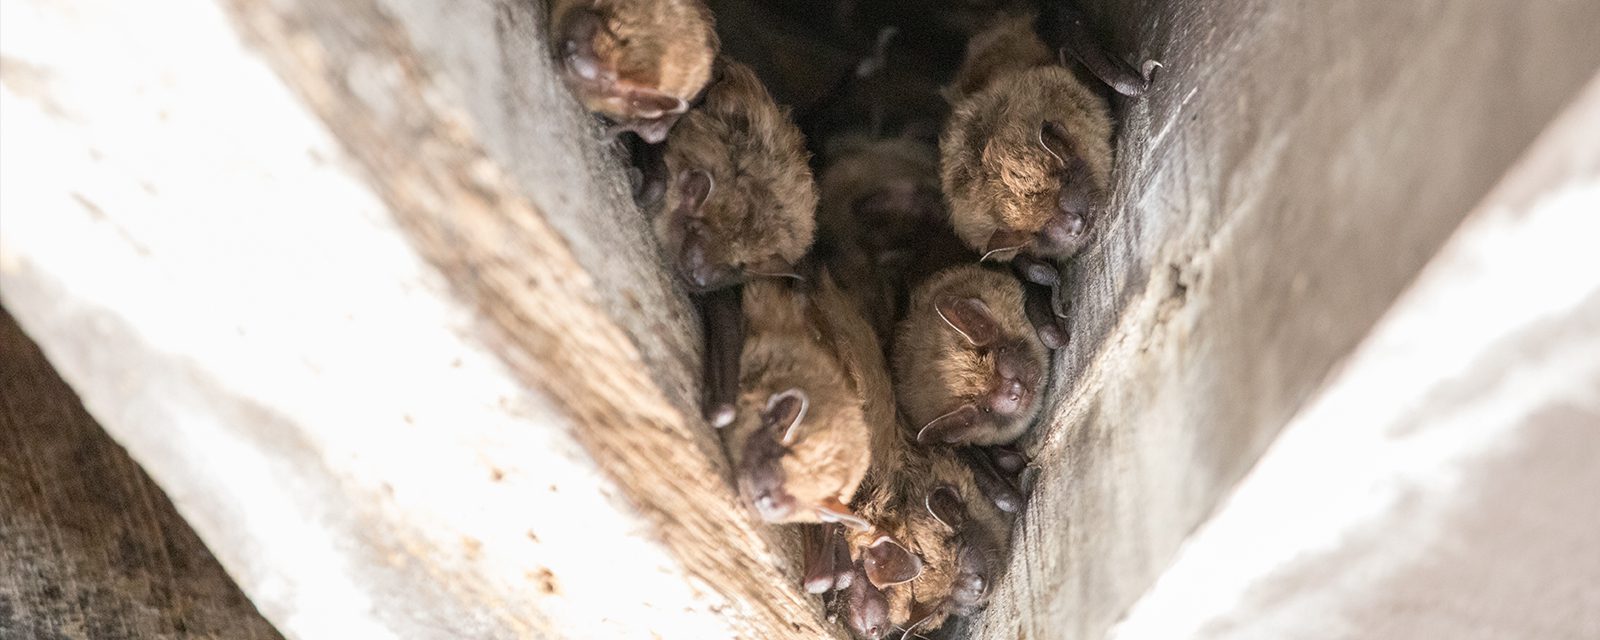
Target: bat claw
{"type": "Point", "coordinates": [721, 415]}
{"type": "Point", "coordinates": [1149, 67]}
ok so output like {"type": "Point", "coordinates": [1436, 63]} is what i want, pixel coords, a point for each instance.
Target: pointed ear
{"type": "Point", "coordinates": [950, 428]}
{"type": "Point", "coordinates": [887, 562]}
{"type": "Point", "coordinates": [694, 187]}
{"type": "Point", "coordinates": [946, 506]}
{"type": "Point", "coordinates": [1003, 240]}
{"type": "Point", "coordinates": [970, 317]}
{"type": "Point", "coordinates": [785, 410]}
{"type": "Point", "coordinates": [1053, 137]}
{"type": "Point", "coordinates": [832, 510]}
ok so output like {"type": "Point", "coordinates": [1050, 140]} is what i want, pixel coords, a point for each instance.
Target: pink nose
{"type": "Point", "coordinates": [1065, 227]}
{"type": "Point", "coordinates": [1009, 398]}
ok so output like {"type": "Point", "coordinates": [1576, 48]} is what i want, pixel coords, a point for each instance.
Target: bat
{"type": "Point", "coordinates": [881, 222]}
{"type": "Point", "coordinates": [935, 548]}
{"type": "Point", "coordinates": [1027, 150]}
{"type": "Point", "coordinates": [967, 367]}
{"type": "Point", "coordinates": [740, 199]}
{"type": "Point", "coordinates": [812, 384]}
{"type": "Point", "coordinates": [637, 63]}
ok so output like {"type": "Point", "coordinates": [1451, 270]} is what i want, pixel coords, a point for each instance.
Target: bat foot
{"type": "Point", "coordinates": [1050, 326]}
{"type": "Point", "coordinates": [998, 486]}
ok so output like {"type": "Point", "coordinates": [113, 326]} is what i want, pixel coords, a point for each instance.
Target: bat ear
{"type": "Point", "coordinates": [1053, 137]}
{"type": "Point", "coordinates": [1004, 240]}
{"type": "Point", "coordinates": [694, 187]}
{"type": "Point", "coordinates": [971, 318]}
{"type": "Point", "coordinates": [950, 428]}
{"type": "Point", "coordinates": [785, 410]}
{"type": "Point", "coordinates": [832, 510]}
{"type": "Point", "coordinates": [887, 562]}
{"type": "Point", "coordinates": [946, 506]}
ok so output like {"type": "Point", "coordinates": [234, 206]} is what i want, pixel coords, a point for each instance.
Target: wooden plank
{"type": "Point", "coordinates": [1292, 169]}
{"type": "Point", "coordinates": [1441, 485]}
{"type": "Point", "coordinates": [89, 547]}
{"type": "Point", "coordinates": [378, 389]}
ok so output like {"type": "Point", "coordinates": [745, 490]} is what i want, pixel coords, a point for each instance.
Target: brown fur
{"type": "Point", "coordinates": [882, 222]}
{"type": "Point", "coordinates": [760, 212]}
{"type": "Point", "coordinates": [660, 46]}
{"type": "Point", "coordinates": [996, 173]}
{"type": "Point", "coordinates": [809, 337]}
{"type": "Point", "coordinates": [894, 499]}
{"type": "Point", "coordinates": [1007, 46]}
{"type": "Point", "coordinates": [937, 370]}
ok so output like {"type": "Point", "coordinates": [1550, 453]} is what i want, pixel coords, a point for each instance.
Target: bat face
{"type": "Point", "coordinates": [886, 193]}
{"type": "Point", "coordinates": [968, 367]}
{"type": "Point", "coordinates": [881, 215]}
{"type": "Point", "coordinates": [943, 527]}
{"type": "Point", "coordinates": [740, 199]}
{"type": "Point", "coordinates": [1027, 152]}
{"type": "Point", "coordinates": [1027, 165]}
{"type": "Point", "coordinates": [976, 535]}
{"type": "Point", "coordinates": [866, 608]}
{"type": "Point", "coordinates": [799, 443]}
{"type": "Point", "coordinates": [800, 437]}
{"type": "Point", "coordinates": [637, 63]}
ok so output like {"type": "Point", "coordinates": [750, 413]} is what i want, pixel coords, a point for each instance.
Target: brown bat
{"type": "Point", "coordinates": [740, 199]}
{"type": "Point", "coordinates": [934, 550]}
{"type": "Point", "coordinates": [968, 367]}
{"type": "Point", "coordinates": [812, 385]}
{"type": "Point", "coordinates": [639, 63]}
{"type": "Point", "coordinates": [881, 222]}
{"type": "Point", "coordinates": [1027, 152]}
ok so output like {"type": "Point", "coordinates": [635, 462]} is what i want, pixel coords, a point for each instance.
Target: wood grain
{"type": "Point", "coordinates": [90, 548]}
{"type": "Point", "coordinates": [1291, 170]}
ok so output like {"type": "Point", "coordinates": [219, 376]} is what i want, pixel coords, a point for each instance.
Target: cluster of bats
{"type": "Point", "coordinates": [877, 260]}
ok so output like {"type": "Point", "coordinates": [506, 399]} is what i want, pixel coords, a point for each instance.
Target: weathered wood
{"type": "Point", "coordinates": [253, 324]}
{"type": "Point", "coordinates": [89, 547]}
{"type": "Point", "coordinates": [1442, 484]}
{"type": "Point", "coordinates": [1292, 168]}
{"type": "Point", "coordinates": [494, 438]}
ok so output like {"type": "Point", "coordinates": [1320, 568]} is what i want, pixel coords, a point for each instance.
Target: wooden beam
{"type": "Point", "coordinates": [397, 392]}
{"type": "Point", "coordinates": [1292, 169]}
{"type": "Point", "coordinates": [89, 547]}
{"type": "Point", "coordinates": [1441, 485]}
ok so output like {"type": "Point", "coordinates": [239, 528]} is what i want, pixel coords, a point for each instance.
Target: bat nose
{"type": "Point", "coordinates": [696, 268]}
{"type": "Point", "coordinates": [773, 506]}
{"type": "Point", "coordinates": [1065, 227]}
{"type": "Point", "coordinates": [969, 588]}
{"type": "Point", "coordinates": [1009, 398]}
